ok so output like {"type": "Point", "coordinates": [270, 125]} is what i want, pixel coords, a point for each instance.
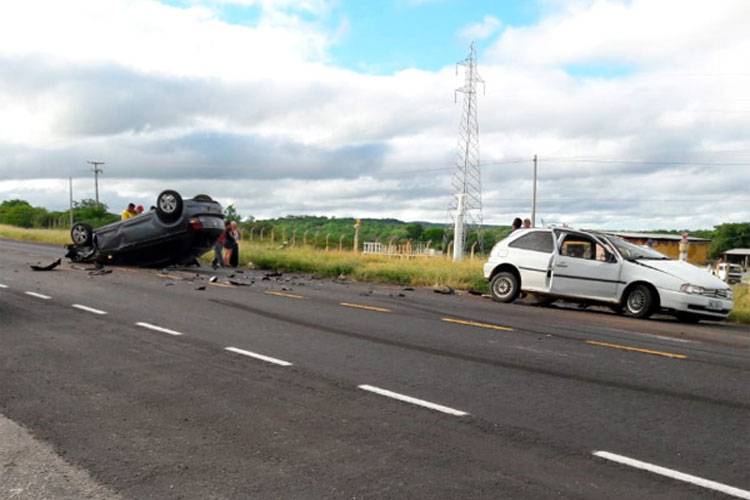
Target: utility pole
{"type": "Point", "coordinates": [70, 184]}
{"type": "Point", "coordinates": [465, 206]}
{"type": "Point", "coordinates": [533, 198]}
{"type": "Point", "coordinates": [97, 171]}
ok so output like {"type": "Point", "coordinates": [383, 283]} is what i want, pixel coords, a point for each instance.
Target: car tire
{"type": "Point", "coordinates": [504, 287]}
{"type": "Point", "coordinates": [81, 234]}
{"type": "Point", "coordinates": [169, 206]}
{"type": "Point", "coordinates": [639, 302]}
{"type": "Point", "coordinates": [684, 317]}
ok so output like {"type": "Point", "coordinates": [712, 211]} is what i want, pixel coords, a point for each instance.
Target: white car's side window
{"type": "Point", "coordinates": [538, 241]}
{"type": "Point", "coordinates": [582, 247]}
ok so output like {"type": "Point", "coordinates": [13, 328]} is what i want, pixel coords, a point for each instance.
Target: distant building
{"type": "Point", "coordinates": [739, 256]}
{"type": "Point", "coordinates": [669, 245]}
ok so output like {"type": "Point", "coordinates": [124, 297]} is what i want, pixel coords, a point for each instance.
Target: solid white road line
{"type": "Point", "coordinates": [89, 309]}
{"type": "Point", "coordinates": [259, 356]}
{"type": "Point", "coordinates": [409, 399]}
{"type": "Point", "coordinates": [680, 476]}
{"type": "Point", "coordinates": [158, 328]}
{"type": "Point", "coordinates": [38, 295]}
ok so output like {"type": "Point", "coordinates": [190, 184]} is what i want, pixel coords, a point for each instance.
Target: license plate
{"type": "Point", "coordinates": [714, 305]}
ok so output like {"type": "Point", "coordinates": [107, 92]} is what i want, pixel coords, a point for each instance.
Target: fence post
{"type": "Point", "coordinates": [304, 237]}
{"type": "Point", "coordinates": [472, 249]}
{"type": "Point", "coordinates": [450, 248]}
{"type": "Point", "coordinates": [294, 236]}
{"type": "Point", "coordinates": [252, 230]}
{"type": "Point", "coordinates": [328, 237]}
{"type": "Point", "coordinates": [260, 236]}
{"type": "Point", "coordinates": [341, 242]}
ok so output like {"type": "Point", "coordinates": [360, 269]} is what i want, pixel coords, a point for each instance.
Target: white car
{"type": "Point", "coordinates": [592, 267]}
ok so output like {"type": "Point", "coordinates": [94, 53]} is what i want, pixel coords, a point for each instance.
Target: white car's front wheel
{"type": "Point", "coordinates": [639, 302]}
{"type": "Point", "coordinates": [504, 287]}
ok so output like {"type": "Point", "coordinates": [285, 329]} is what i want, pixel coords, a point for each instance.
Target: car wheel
{"type": "Point", "coordinates": [81, 234]}
{"type": "Point", "coordinates": [169, 206]}
{"type": "Point", "coordinates": [684, 317]}
{"type": "Point", "coordinates": [639, 302]}
{"type": "Point", "coordinates": [504, 287]}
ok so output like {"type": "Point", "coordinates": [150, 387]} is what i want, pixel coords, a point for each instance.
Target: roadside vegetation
{"type": "Point", "coordinates": [419, 271]}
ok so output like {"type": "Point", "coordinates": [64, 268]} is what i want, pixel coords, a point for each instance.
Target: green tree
{"type": "Point", "coordinates": [728, 236]}
{"type": "Point", "coordinates": [231, 214]}
{"type": "Point", "coordinates": [414, 232]}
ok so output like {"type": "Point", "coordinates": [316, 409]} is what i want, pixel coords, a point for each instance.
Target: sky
{"type": "Point", "coordinates": [638, 111]}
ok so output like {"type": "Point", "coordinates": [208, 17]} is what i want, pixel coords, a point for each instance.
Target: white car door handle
{"type": "Point", "coordinates": [562, 264]}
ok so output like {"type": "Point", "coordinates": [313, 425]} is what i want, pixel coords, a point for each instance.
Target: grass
{"type": "Point", "coordinates": [741, 311]}
{"type": "Point", "coordinates": [51, 236]}
{"type": "Point", "coordinates": [424, 271]}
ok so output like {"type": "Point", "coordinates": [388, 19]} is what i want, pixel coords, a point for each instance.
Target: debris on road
{"type": "Point", "coordinates": [238, 283]}
{"type": "Point", "coordinates": [212, 279]}
{"type": "Point", "coordinates": [445, 290]}
{"type": "Point", "coordinates": [99, 272]}
{"type": "Point", "coordinates": [48, 267]}
{"type": "Point", "coordinates": [273, 274]}
{"type": "Point", "coordinates": [202, 287]}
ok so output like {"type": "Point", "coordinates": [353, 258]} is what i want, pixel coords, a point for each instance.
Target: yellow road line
{"type": "Point", "coordinates": [474, 323]}
{"type": "Point", "coordinates": [369, 308]}
{"type": "Point", "coordinates": [222, 285]}
{"type": "Point", "coordinates": [282, 294]}
{"type": "Point", "coordinates": [638, 349]}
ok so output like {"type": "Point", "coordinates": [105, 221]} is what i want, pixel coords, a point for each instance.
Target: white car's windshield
{"type": "Point", "coordinates": [631, 252]}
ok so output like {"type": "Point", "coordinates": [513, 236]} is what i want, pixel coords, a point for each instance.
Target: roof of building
{"type": "Point", "coordinates": [738, 251]}
{"type": "Point", "coordinates": [657, 236]}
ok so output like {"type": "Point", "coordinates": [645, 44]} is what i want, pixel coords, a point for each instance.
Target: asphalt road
{"type": "Point", "coordinates": [127, 376]}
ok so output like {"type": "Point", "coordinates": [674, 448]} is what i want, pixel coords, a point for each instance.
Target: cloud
{"type": "Point", "coordinates": [257, 116]}
{"type": "Point", "coordinates": [479, 31]}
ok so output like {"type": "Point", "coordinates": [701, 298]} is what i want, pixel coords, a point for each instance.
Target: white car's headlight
{"type": "Point", "coordinates": [695, 289]}
{"type": "Point", "coordinates": [730, 294]}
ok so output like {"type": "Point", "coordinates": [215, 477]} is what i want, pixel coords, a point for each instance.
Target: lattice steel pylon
{"type": "Point", "coordinates": [465, 207]}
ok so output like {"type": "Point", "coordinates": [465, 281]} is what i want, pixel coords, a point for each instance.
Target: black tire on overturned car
{"type": "Point", "coordinates": [169, 206]}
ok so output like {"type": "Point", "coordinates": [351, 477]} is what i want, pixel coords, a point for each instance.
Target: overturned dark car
{"type": "Point", "coordinates": [175, 231]}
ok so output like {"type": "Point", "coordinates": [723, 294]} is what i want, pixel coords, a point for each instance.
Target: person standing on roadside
{"type": "Point", "coordinates": [517, 222]}
{"type": "Point", "coordinates": [218, 252]}
{"type": "Point", "coordinates": [235, 260]}
{"type": "Point", "coordinates": [129, 212]}
{"type": "Point", "coordinates": [526, 223]}
{"type": "Point", "coordinates": [684, 246]}
{"type": "Point", "coordinates": [229, 243]}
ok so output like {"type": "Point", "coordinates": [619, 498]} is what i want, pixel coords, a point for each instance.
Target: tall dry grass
{"type": "Point", "coordinates": [420, 271]}
{"type": "Point", "coordinates": [51, 236]}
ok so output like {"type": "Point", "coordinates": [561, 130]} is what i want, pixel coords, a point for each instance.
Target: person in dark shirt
{"type": "Point", "coordinates": [517, 222]}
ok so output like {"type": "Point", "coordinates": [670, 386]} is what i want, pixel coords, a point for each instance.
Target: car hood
{"type": "Point", "coordinates": [684, 271]}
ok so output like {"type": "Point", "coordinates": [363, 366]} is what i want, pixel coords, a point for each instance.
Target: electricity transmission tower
{"type": "Point", "coordinates": [465, 207]}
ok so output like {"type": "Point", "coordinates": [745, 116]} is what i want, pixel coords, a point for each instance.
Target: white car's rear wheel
{"type": "Point", "coordinates": [504, 287]}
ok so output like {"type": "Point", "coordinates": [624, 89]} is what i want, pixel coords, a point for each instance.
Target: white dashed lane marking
{"type": "Point", "coordinates": [415, 401]}
{"type": "Point", "coordinates": [38, 295]}
{"type": "Point", "coordinates": [255, 355]}
{"type": "Point", "coordinates": [89, 309]}
{"type": "Point", "coordinates": [158, 328]}
{"type": "Point", "coordinates": [3, 286]}
{"type": "Point", "coordinates": [680, 476]}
